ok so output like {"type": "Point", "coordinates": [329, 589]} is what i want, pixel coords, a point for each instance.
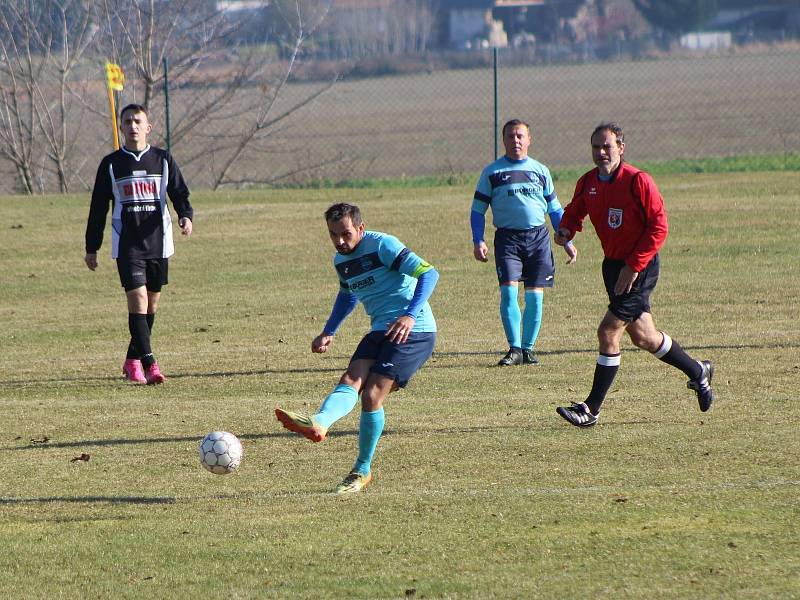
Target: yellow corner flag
{"type": "Point", "coordinates": [114, 77]}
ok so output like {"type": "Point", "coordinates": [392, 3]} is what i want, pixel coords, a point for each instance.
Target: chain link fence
{"type": "Point", "coordinates": [441, 122]}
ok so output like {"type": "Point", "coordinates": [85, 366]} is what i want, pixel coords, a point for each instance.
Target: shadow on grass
{"type": "Point", "coordinates": [244, 437]}
{"type": "Point", "coordinates": [90, 499]}
{"type": "Point", "coordinates": [122, 382]}
{"type": "Point", "coordinates": [627, 348]}
{"type": "Point", "coordinates": [252, 437]}
{"type": "Point", "coordinates": [135, 441]}
{"type": "Point", "coordinates": [434, 364]}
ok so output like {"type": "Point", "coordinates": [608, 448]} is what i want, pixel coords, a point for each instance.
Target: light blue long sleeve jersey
{"type": "Point", "coordinates": [520, 193]}
{"type": "Point", "coordinates": [382, 274]}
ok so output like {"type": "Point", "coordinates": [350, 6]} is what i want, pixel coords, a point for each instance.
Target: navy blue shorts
{"type": "Point", "coordinates": [395, 361]}
{"type": "Point", "coordinates": [524, 255]}
{"type": "Point", "coordinates": [136, 272]}
{"type": "Point", "coordinates": [629, 307]}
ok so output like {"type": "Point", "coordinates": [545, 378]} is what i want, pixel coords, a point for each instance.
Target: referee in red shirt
{"type": "Point", "coordinates": [627, 212]}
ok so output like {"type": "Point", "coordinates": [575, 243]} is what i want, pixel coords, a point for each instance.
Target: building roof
{"type": "Point", "coordinates": [356, 4]}
{"type": "Point", "coordinates": [464, 4]}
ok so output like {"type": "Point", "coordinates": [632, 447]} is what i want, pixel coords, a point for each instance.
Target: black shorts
{"type": "Point", "coordinates": [137, 272]}
{"type": "Point", "coordinates": [524, 255]}
{"type": "Point", "coordinates": [396, 361]}
{"type": "Point", "coordinates": [629, 307]}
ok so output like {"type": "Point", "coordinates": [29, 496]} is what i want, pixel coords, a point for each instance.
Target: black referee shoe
{"type": "Point", "coordinates": [578, 414]}
{"type": "Point", "coordinates": [512, 357]}
{"type": "Point", "coordinates": [702, 386]}
{"type": "Point", "coordinates": [529, 358]}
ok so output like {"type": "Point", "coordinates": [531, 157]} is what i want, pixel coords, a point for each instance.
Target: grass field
{"type": "Point", "coordinates": [481, 491]}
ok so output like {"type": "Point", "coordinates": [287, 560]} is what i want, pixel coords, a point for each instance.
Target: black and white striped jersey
{"type": "Point", "coordinates": [137, 185]}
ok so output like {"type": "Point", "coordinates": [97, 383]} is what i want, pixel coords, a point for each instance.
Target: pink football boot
{"type": "Point", "coordinates": [153, 375]}
{"type": "Point", "coordinates": [133, 372]}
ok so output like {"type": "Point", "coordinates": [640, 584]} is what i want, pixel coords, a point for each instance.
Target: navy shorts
{"type": "Point", "coordinates": [137, 272]}
{"type": "Point", "coordinates": [524, 255]}
{"type": "Point", "coordinates": [629, 307]}
{"type": "Point", "coordinates": [395, 361]}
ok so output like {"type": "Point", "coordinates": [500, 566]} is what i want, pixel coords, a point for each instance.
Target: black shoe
{"type": "Point", "coordinates": [702, 386]}
{"type": "Point", "coordinates": [578, 414]}
{"type": "Point", "coordinates": [512, 357]}
{"type": "Point", "coordinates": [529, 358]}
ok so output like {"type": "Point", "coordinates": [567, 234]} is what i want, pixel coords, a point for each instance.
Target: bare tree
{"type": "Point", "coordinates": [233, 94]}
{"type": "Point", "coordinates": [20, 69]}
{"type": "Point", "coordinates": [224, 93]}
{"type": "Point", "coordinates": [302, 18]}
{"type": "Point", "coordinates": [41, 43]}
{"type": "Point", "coordinates": [145, 32]}
{"type": "Point", "coordinates": [74, 26]}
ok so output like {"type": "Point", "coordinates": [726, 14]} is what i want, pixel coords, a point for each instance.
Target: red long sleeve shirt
{"type": "Point", "coordinates": [627, 213]}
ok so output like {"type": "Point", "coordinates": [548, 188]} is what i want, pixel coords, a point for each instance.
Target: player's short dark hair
{"type": "Point", "coordinates": [613, 127]}
{"type": "Point", "coordinates": [514, 123]}
{"type": "Point", "coordinates": [135, 108]}
{"type": "Point", "coordinates": [337, 212]}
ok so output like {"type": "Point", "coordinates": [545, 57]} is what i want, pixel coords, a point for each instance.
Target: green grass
{"type": "Point", "coordinates": [481, 491]}
{"type": "Point", "coordinates": [722, 164]}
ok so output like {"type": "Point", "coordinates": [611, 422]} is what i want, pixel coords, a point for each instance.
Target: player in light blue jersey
{"type": "Point", "coordinates": [394, 285]}
{"type": "Point", "coordinates": [520, 192]}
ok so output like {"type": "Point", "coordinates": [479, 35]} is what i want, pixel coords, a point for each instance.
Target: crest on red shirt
{"type": "Point", "coordinates": [615, 218]}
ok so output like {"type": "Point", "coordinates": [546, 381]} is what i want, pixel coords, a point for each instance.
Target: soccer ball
{"type": "Point", "coordinates": [221, 452]}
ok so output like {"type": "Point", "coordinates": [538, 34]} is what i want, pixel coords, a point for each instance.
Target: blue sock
{"type": "Point", "coordinates": [510, 315]}
{"type": "Point", "coordinates": [338, 403]}
{"type": "Point", "coordinates": [532, 318]}
{"type": "Point", "coordinates": [369, 432]}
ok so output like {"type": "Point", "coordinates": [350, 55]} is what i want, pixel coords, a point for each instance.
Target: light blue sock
{"type": "Point", "coordinates": [532, 318]}
{"type": "Point", "coordinates": [369, 432]}
{"type": "Point", "coordinates": [510, 315]}
{"type": "Point", "coordinates": [338, 403]}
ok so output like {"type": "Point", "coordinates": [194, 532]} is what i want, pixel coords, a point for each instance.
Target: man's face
{"type": "Point", "coordinates": [344, 235]}
{"type": "Point", "coordinates": [607, 151]}
{"type": "Point", "coordinates": [516, 139]}
{"type": "Point", "coordinates": [135, 127]}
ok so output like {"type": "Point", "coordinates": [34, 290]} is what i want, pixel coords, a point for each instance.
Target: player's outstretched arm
{"type": "Point", "coordinates": [321, 343]}
{"type": "Point", "coordinates": [343, 305]}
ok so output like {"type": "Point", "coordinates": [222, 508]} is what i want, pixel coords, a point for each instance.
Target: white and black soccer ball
{"type": "Point", "coordinates": [221, 452]}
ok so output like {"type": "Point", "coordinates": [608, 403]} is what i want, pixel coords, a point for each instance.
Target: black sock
{"type": "Point", "coordinates": [147, 360]}
{"type": "Point", "coordinates": [133, 351]}
{"type": "Point", "coordinates": [671, 353]}
{"type": "Point", "coordinates": [140, 334]}
{"type": "Point", "coordinates": [604, 373]}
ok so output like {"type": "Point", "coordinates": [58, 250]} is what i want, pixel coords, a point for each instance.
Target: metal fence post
{"type": "Point", "coordinates": [496, 109]}
{"type": "Point", "coordinates": [166, 103]}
